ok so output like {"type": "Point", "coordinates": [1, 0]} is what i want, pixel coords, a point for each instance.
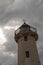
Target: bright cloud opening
{"type": "Point", "coordinates": [2, 37]}
{"type": "Point", "coordinates": [11, 27]}
{"type": "Point", "coordinates": [8, 27]}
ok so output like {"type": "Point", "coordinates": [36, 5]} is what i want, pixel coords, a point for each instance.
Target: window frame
{"type": "Point", "coordinates": [25, 38]}
{"type": "Point", "coordinates": [27, 54]}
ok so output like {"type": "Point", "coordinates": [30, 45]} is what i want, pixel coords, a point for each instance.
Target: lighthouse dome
{"type": "Point", "coordinates": [25, 26]}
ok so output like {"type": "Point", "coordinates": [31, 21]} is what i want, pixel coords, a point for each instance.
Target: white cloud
{"type": "Point", "coordinates": [9, 54]}
{"type": "Point", "coordinates": [8, 27]}
{"type": "Point", "coordinates": [2, 37]}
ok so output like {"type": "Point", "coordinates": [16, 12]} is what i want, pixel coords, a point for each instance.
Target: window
{"type": "Point", "coordinates": [25, 38]}
{"type": "Point", "coordinates": [27, 54]}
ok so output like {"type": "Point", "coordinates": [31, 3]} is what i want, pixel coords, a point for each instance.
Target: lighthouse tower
{"type": "Point", "coordinates": [26, 37]}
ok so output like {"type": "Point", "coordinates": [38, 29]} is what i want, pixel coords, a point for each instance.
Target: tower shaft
{"type": "Point", "coordinates": [27, 52]}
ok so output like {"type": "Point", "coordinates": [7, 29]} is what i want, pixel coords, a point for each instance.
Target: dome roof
{"type": "Point", "coordinates": [24, 25]}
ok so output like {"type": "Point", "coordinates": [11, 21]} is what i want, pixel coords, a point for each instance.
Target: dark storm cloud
{"type": "Point", "coordinates": [27, 9]}
{"type": "Point", "coordinates": [4, 8]}
{"type": "Point", "coordinates": [8, 60]}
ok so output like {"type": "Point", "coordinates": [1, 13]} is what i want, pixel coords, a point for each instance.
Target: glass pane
{"type": "Point", "coordinates": [27, 54]}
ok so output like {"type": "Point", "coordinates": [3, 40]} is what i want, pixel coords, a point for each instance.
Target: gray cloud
{"type": "Point", "coordinates": [11, 14]}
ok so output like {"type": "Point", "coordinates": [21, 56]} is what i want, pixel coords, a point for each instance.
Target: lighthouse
{"type": "Point", "coordinates": [26, 37]}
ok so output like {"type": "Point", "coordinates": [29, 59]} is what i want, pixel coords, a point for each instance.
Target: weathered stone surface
{"type": "Point", "coordinates": [30, 46]}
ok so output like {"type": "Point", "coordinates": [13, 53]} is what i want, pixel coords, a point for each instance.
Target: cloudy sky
{"type": "Point", "coordinates": [12, 13]}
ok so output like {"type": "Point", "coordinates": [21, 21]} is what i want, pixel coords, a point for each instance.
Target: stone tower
{"type": "Point", "coordinates": [26, 37]}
